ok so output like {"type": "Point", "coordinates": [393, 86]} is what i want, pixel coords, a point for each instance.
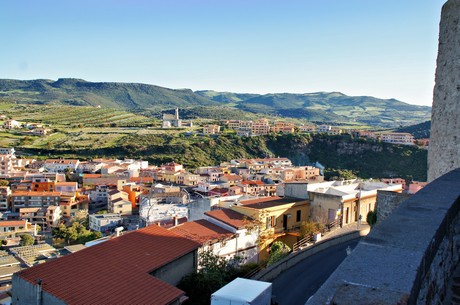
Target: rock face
{"type": "Point", "coordinates": [444, 149]}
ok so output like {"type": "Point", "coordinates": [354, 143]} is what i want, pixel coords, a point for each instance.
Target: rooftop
{"type": "Point", "coordinates": [269, 202]}
{"type": "Point", "coordinates": [201, 231]}
{"type": "Point", "coordinates": [229, 217]}
{"type": "Point", "coordinates": [119, 268]}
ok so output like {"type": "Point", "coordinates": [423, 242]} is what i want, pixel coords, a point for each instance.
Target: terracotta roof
{"type": "Point", "coordinates": [229, 217]}
{"type": "Point", "coordinates": [115, 271]}
{"type": "Point", "coordinates": [256, 182]}
{"type": "Point", "coordinates": [92, 175]}
{"type": "Point", "coordinates": [141, 179]}
{"type": "Point", "coordinates": [232, 177]}
{"type": "Point", "coordinates": [12, 223]}
{"type": "Point", "coordinates": [35, 194]}
{"type": "Point", "coordinates": [268, 202]}
{"type": "Point", "coordinates": [201, 231]}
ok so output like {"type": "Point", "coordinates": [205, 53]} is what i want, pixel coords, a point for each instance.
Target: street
{"type": "Point", "coordinates": [297, 284]}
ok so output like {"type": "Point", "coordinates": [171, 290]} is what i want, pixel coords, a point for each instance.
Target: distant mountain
{"type": "Point", "coordinates": [328, 107]}
{"type": "Point", "coordinates": [319, 107]}
{"type": "Point", "coordinates": [77, 92]}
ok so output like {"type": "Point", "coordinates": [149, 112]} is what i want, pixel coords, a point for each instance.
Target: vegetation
{"type": "Point", "coordinates": [328, 107]}
{"type": "Point", "coordinates": [278, 251]}
{"type": "Point", "coordinates": [76, 233]}
{"type": "Point", "coordinates": [371, 218]}
{"type": "Point", "coordinates": [214, 273]}
{"type": "Point", "coordinates": [419, 131]}
{"type": "Point", "coordinates": [309, 227]}
{"type": "Point", "coordinates": [27, 240]}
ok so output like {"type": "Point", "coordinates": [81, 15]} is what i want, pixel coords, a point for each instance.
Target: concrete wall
{"type": "Point", "coordinates": [25, 293]}
{"type": "Point", "coordinates": [387, 201]}
{"type": "Point", "coordinates": [406, 259]}
{"type": "Point", "coordinates": [444, 148]}
{"type": "Point", "coordinates": [173, 272]}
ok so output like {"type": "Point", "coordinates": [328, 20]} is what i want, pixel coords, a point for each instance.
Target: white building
{"type": "Point", "coordinates": [397, 138]}
{"type": "Point", "coordinates": [104, 222]}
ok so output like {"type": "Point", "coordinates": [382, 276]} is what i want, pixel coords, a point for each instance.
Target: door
{"type": "Point", "coordinates": [285, 220]}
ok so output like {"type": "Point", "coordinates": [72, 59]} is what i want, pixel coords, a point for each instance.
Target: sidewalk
{"type": "Point", "coordinates": [352, 227]}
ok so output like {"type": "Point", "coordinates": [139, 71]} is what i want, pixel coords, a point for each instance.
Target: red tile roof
{"type": "Point", "coordinates": [229, 217]}
{"type": "Point", "coordinates": [252, 182]}
{"type": "Point", "coordinates": [115, 271]}
{"type": "Point", "coordinates": [201, 231]}
{"type": "Point", "coordinates": [12, 223]}
{"type": "Point", "coordinates": [141, 179]}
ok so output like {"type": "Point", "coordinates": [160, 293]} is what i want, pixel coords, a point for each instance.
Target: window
{"type": "Point", "coordinates": [298, 215]}
{"type": "Point", "coordinates": [270, 222]}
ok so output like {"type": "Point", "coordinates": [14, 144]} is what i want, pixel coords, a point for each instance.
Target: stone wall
{"type": "Point", "coordinates": [406, 259]}
{"type": "Point", "coordinates": [444, 148]}
{"type": "Point", "coordinates": [387, 201]}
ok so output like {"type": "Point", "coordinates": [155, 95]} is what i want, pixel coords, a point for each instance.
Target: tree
{"type": "Point", "coordinates": [277, 252]}
{"type": "Point", "coordinates": [214, 273]}
{"type": "Point", "coordinates": [27, 240]}
{"type": "Point", "coordinates": [371, 218]}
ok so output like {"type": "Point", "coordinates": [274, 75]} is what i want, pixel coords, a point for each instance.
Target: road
{"type": "Point", "coordinates": [297, 284]}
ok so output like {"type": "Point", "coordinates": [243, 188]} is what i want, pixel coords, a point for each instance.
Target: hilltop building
{"type": "Point", "coordinates": [172, 120]}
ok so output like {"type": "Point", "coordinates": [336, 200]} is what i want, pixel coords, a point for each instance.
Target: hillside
{"type": "Point", "coordinates": [321, 107]}
{"type": "Point", "coordinates": [328, 107]}
{"type": "Point", "coordinates": [367, 159]}
{"type": "Point", "coordinates": [419, 131]}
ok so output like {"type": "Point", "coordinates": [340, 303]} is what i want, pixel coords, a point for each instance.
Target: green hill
{"type": "Point", "coordinates": [320, 107]}
{"type": "Point", "coordinates": [419, 131]}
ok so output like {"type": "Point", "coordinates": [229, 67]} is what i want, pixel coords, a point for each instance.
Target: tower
{"type": "Point", "coordinates": [444, 147]}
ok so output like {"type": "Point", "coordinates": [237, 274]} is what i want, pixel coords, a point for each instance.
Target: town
{"type": "Point", "coordinates": [237, 209]}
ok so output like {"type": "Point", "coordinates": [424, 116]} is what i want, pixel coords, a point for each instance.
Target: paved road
{"type": "Point", "coordinates": [297, 284]}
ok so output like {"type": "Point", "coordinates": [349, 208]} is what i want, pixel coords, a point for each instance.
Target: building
{"type": "Point", "coordinates": [11, 124]}
{"type": "Point", "coordinates": [104, 222]}
{"type": "Point", "coordinates": [397, 138]}
{"type": "Point", "coordinates": [61, 165]}
{"type": "Point", "coordinates": [245, 241]}
{"type": "Point", "coordinates": [211, 129]}
{"type": "Point", "coordinates": [46, 217]}
{"type": "Point", "coordinates": [345, 201]}
{"type": "Point", "coordinates": [24, 199]}
{"type": "Point", "coordinates": [11, 230]}
{"type": "Point", "coordinates": [6, 165]}
{"type": "Point", "coordinates": [139, 267]}
{"type": "Point", "coordinates": [307, 128]}
{"type": "Point", "coordinates": [5, 195]}
{"type": "Point", "coordinates": [277, 216]}
{"type": "Point", "coordinates": [7, 151]}
{"type": "Point", "coordinates": [172, 120]}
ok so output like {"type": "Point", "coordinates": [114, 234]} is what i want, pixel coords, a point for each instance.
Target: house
{"type": "Point", "coordinates": [11, 230]}
{"type": "Point", "coordinates": [46, 217]}
{"type": "Point", "coordinates": [416, 186]}
{"type": "Point", "coordinates": [307, 128]}
{"type": "Point", "coordinates": [210, 236]}
{"type": "Point", "coordinates": [61, 165]}
{"type": "Point", "coordinates": [277, 216]}
{"type": "Point", "coordinates": [139, 267]}
{"type": "Point", "coordinates": [395, 181]}
{"type": "Point", "coordinates": [345, 201]}
{"type": "Point", "coordinates": [245, 241]}
{"type": "Point", "coordinates": [11, 124]}
{"type": "Point", "coordinates": [211, 129]}
{"type": "Point", "coordinates": [104, 222]}
{"type": "Point", "coordinates": [72, 203]}
{"type": "Point", "coordinates": [231, 179]}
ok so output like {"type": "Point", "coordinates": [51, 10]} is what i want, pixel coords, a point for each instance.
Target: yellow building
{"type": "Point", "coordinates": [279, 218]}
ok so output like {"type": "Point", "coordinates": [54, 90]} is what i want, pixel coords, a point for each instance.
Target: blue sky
{"type": "Point", "coordinates": [384, 48]}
